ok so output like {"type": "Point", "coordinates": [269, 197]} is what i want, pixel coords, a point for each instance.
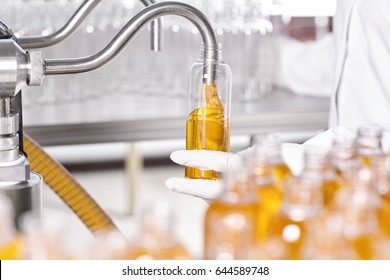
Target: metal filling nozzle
{"type": "Point", "coordinates": [130, 30]}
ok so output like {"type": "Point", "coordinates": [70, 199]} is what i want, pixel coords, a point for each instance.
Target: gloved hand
{"type": "Point", "coordinates": [206, 160]}
{"type": "Point", "coordinates": [325, 139]}
{"type": "Point", "coordinates": [220, 161]}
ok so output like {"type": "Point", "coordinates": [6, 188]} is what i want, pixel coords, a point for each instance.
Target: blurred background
{"type": "Point", "coordinates": [114, 128]}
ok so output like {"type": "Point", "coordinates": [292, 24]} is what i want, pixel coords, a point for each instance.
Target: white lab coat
{"type": "Point", "coordinates": [352, 65]}
{"type": "Point", "coordinates": [361, 93]}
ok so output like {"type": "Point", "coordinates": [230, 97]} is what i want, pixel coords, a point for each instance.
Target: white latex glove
{"type": "Point", "coordinates": [325, 139]}
{"type": "Point", "coordinates": [219, 161]}
{"type": "Point", "coordinates": [206, 160]}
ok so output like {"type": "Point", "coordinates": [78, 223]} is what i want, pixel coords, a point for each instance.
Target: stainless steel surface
{"type": "Point", "coordinates": [25, 196]}
{"type": "Point", "coordinates": [34, 42]}
{"type": "Point", "coordinates": [36, 69]}
{"type": "Point", "coordinates": [15, 171]}
{"type": "Point", "coordinates": [129, 31]}
{"type": "Point", "coordinates": [5, 106]}
{"type": "Point", "coordinates": [9, 139]}
{"type": "Point", "coordinates": [9, 155]}
{"type": "Point", "coordinates": [12, 141]}
{"type": "Point", "coordinates": [139, 118]}
{"type": "Point", "coordinates": [156, 29]}
{"type": "Point", "coordinates": [13, 70]}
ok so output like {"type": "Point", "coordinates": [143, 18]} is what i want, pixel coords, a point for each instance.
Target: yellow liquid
{"type": "Point", "coordinates": [230, 230]}
{"type": "Point", "coordinates": [281, 173]}
{"type": "Point", "coordinates": [363, 246]}
{"type": "Point", "coordinates": [384, 215]}
{"type": "Point", "coordinates": [207, 129]}
{"type": "Point", "coordinates": [270, 200]}
{"type": "Point", "coordinates": [291, 232]}
{"type": "Point", "coordinates": [11, 250]}
{"type": "Point", "coordinates": [330, 188]}
{"type": "Point", "coordinates": [365, 160]}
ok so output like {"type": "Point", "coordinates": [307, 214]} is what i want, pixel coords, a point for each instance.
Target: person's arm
{"type": "Point", "coordinates": [305, 68]}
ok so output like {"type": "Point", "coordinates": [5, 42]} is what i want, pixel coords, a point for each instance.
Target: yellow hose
{"type": "Point", "coordinates": [66, 187]}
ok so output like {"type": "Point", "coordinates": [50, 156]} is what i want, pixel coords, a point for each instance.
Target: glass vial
{"type": "Point", "coordinates": [156, 239]}
{"type": "Point", "coordinates": [208, 124]}
{"type": "Point", "coordinates": [231, 220]}
{"type": "Point", "coordinates": [369, 142]}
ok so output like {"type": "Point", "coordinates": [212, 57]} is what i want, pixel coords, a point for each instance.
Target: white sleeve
{"type": "Point", "coordinates": [306, 68]}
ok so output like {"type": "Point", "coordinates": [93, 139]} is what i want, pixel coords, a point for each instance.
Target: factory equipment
{"type": "Point", "coordinates": [20, 68]}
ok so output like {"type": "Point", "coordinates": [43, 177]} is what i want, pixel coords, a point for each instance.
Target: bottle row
{"type": "Point", "coordinates": [54, 237]}
{"type": "Point", "coordinates": [337, 208]}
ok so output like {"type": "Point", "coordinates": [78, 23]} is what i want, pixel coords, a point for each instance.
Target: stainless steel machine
{"type": "Point", "coordinates": [21, 66]}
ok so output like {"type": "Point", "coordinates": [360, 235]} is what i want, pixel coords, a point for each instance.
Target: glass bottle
{"type": "Point", "coordinates": [345, 162]}
{"type": "Point", "coordinates": [268, 191]}
{"type": "Point", "coordinates": [326, 239]}
{"type": "Point", "coordinates": [303, 201]}
{"type": "Point", "coordinates": [382, 169]}
{"type": "Point", "coordinates": [231, 220]}
{"type": "Point", "coordinates": [208, 124]}
{"type": "Point", "coordinates": [359, 206]}
{"type": "Point", "coordinates": [318, 164]}
{"type": "Point", "coordinates": [369, 143]}
{"type": "Point", "coordinates": [280, 171]}
{"type": "Point", "coordinates": [156, 239]}
{"type": "Point", "coordinates": [114, 245]}
{"type": "Point", "coordinates": [42, 236]}
{"type": "Point", "coordinates": [10, 243]}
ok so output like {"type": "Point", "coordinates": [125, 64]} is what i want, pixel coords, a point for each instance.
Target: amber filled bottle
{"type": "Point", "coordinates": [382, 169]}
{"type": "Point", "coordinates": [346, 163]}
{"type": "Point", "coordinates": [43, 236]}
{"type": "Point", "coordinates": [369, 141]}
{"type": "Point", "coordinates": [302, 202]}
{"type": "Point", "coordinates": [208, 124]}
{"type": "Point", "coordinates": [10, 243]}
{"type": "Point", "coordinates": [273, 150]}
{"type": "Point", "coordinates": [318, 164]}
{"type": "Point", "coordinates": [230, 221]}
{"type": "Point", "coordinates": [359, 206]}
{"type": "Point", "coordinates": [326, 239]}
{"type": "Point", "coordinates": [264, 183]}
{"type": "Point", "coordinates": [156, 239]}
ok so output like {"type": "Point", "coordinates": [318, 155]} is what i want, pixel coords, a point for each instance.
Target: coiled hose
{"type": "Point", "coordinates": [66, 187]}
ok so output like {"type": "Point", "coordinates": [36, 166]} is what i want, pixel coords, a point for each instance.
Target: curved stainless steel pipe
{"type": "Point", "coordinates": [130, 30]}
{"type": "Point", "coordinates": [34, 42]}
{"type": "Point", "coordinates": [156, 28]}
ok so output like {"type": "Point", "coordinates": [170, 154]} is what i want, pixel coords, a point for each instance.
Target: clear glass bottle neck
{"type": "Point", "coordinates": [267, 149]}
{"type": "Point", "coordinates": [369, 141]}
{"type": "Point", "coordinates": [316, 163]}
{"type": "Point", "coordinates": [157, 223]}
{"type": "Point", "coordinates": [303, 198]}
{"type": "Point", "coordinates": [382, 167]}
{"type": "Point", "coordinates": [237, 186]}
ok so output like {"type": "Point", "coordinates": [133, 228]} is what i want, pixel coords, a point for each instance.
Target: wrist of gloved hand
{"type": "Point", "coordinates": [205, 160]}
